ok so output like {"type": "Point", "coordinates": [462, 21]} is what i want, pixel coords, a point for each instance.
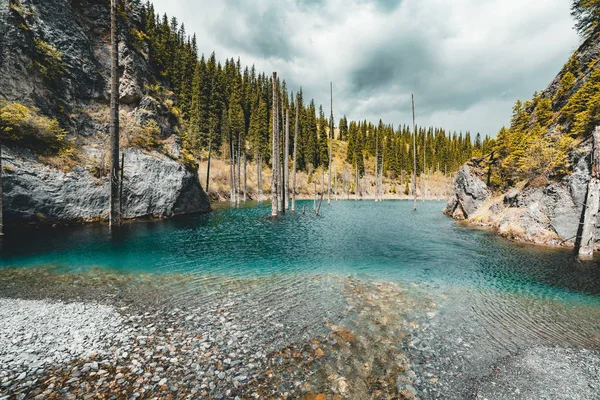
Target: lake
{"type": "Point", "coordinates": [477, 297]}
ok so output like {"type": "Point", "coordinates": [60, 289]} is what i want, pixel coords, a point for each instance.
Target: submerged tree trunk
{"type": "Point", "coordinates": [258, 183]}
{"type": "Point", "coordinates": [294, 164]}
{"type": "Point", "coordinates": [121, 186]}
{"type": "Point", "coordinates": [335, 190]}
{"type": "Point", "coordinates": [376, 169]}
{"type": "Point", "coordinates": [356, 188]}
{"type": "Point", "coordinates": [239, 170]}
{"type": "Point", "coordinates": [414, 155]}
{"type": "Point", "coordinates": [381, 174]}
{"type": "Point", "coordinates": [114, 217]}
{"type": "Point", "coordinates": [245, 176]}
{"type": "Point", "coordinates": [331, 134]}
{"type": "Point", "coordinates": [286, 162]}
{"type": "Point", "coordinates": [1, 193]}
{"type": "Point", "coordinates": [231, 169]}
{"type": "Point", "coordinates": [208, 166]}
{"type": "Point", "coordinates": [590, 212]}
{"type": "Point", "coordinates": [315, 196]}
{"type": "Point", "coordinates": [274, 184]}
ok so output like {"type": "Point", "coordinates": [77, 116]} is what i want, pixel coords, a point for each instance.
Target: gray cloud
{"type": "Point", "coordinates": [466, 61]}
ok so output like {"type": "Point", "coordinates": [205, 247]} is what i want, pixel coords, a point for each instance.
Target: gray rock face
{"type": "Point", "coordinates": [470, 192]}
{"type": "Point", "coordinates": [154, 186]}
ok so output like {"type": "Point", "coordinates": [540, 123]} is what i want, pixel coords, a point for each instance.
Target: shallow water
{"type": "Point", "coordinates": [494, 297]}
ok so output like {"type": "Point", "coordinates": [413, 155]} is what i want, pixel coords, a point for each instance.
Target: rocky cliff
{"type": "Point", "coordinates": [547, 215]}
{"type": "Point", "coordinates": [55, 56]}
{"type": "Point", "coordinates": [540, 197]}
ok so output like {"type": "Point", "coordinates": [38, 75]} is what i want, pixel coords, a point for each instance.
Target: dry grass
{"type": "Point", "coordinates": [436, 186]}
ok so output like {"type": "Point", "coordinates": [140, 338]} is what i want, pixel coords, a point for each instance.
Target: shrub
{"type": "Point", "coordinates": [26, 126]}
{"type": "Point", "coordinates": [147, 135]}
{"type": "Point", "coordinates": [50, 63]}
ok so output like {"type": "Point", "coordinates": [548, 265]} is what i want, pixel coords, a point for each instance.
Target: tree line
{"type": "Point", "coordinates": [227, 109]}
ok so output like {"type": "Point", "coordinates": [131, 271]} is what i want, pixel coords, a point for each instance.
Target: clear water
{"type": "Point", "coordinates": [516, 293]}
{"type": "Point", "coordinates": [383, 241]}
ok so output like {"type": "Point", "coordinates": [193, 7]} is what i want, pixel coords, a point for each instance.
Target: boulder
{"type": "Point", "coordinates": [470, 193]}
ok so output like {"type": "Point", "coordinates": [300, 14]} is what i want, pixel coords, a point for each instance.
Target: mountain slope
{"type": "Point", "coordinates": [537, 175]}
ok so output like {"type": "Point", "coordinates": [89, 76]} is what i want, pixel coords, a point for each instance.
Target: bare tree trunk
{"type": "Point", "coordinates": [275, 184]}
{"type": "Point", "coordinates": [590, 212]}
{"type": "Point", "coordinates": [231, 169]}
{"type": "Point", "coordinates": [260, 178]}
{"type": "Point", "coordinates": [1, 194]}
{"type": "Point", "coordinates": [376, 170]}
{"type": "Point", "coordinates": [239, 169]}
{"type": "Point", "coordinates": [245, 176]}
{"type": "Point", "coordinates": [114, 217]}
{"type": "Point", "coordinates": [208, 167]}
{"type": "Point", "coordinates": [315, 197]}
{"type": "Point", "coordinates": [356, 188]}
{"type": "Point", "coordinates": [414, 155]}
{"type": "Point", "coordinates": [381, 173]}
{"type": "Point", "coordinates": [335, 192]}
{"type": "Point", "coordinates": [286, 162]}
{"type": "Point", "coordinates": [424, 166]}
{"type": "Point", "coordinates": [280, 206]}
{"type": "Point", "coordinates": [320, 202]}
{"type": "Point", "coordinates": [294, 165]}
{"type": "Point", "coordinates": [331, 126]}
{"type": "Point", "coordinates": [121, 186]}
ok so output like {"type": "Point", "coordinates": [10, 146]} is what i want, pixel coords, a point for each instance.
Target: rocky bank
{"type": "Point", "coordinates": [55, 56]}
{"type": "Point", "coordinates": [547, 215]}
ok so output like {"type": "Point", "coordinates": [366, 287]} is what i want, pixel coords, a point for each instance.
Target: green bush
{"type": "Point", "coordinates": [27, 126]}
{"type": "Point", "coordinates": [50, 62]}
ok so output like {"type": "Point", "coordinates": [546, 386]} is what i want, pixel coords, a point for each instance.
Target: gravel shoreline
{"type": "Point", "coordinates": [327, 336]}
{"type": "Point", "coordinates": [308, 337]}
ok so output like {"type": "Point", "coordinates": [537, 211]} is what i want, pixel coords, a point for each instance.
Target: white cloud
{"type": "Point", "coordinates": [466, 61]}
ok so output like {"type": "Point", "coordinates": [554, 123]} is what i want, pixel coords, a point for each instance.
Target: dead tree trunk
{"type": "Point", "coordinates": [239, 169]}
{"type": "Point", "coordinates": [381, 173]}
{"type": "Point", "coordinates": [376, 170]}
{"type": "Point", "coordinates": [259, 176]}
{"type": "Point", "coordinates": [356, 188]}
{"type": "Point", "coordinates": [335, 185]}
{"type": "Point", "coordinates": [294, 164]}
{"type": "Point", "coordinates": [114, 218]}
{"type": "Point", "coordinates": [275, 184]}
{"type": "Point", "coordinates": [245, 176]}
{"type": "Point", "coordinates": [1, 194]}
{"type": "Point", "coordinates": [590, 212]}
{"type": "Point", "coordinates": [208, 166]}
{"type": "Point", "coordinates": [331, 127]}
{"type": "Point", "coordinates": [286, 162]}
{"type": "Point", "coordinates": [121, 186]}
{"type": "Point", "coordinates": [315, 196]}
{"type": "Point", "coordinates": [281, 208]}
{"type": "Point", "coordinates": [231, 169]}
{"type": "Point", "coordinates": [414, 155]}
{"type": "Point", "coordinates": [320, 202]}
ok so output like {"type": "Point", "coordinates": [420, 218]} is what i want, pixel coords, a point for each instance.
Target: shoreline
{"type": "Point", "coordinates": [336, 336]}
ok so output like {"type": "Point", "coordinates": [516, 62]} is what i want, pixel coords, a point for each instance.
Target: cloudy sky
{"type": "Point", "coordinates": [466, 61]}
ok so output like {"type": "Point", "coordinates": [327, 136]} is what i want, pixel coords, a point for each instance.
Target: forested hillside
{"type": "Point", "coordinates": [177, 101]}
{"type": "Point", "coordinates": [535, 183]}
{"type": "Point", "coordinates": [542, 141]}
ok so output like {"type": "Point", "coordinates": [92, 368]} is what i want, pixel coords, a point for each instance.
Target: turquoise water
{"type": "Point", "coordinates": [481, 298]}
{"type": "Point", "coordinates": [381, 241]}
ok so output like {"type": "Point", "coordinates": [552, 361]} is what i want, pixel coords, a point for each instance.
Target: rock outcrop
{"type": "Point", "coordinates": [548, 215]}
{"type": "Point", "coordinates": [55, 56]}
{"type": "Point", "coordinates": [470, 194]}
{"type": "Point", "coordinates": [155, 186]}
